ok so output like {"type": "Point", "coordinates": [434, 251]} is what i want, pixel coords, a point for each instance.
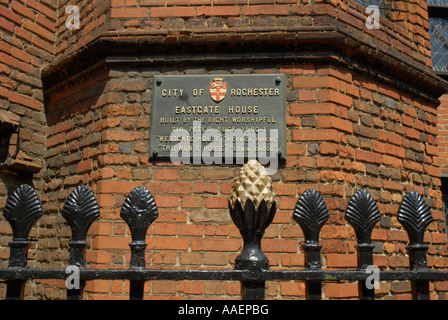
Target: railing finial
{"type": "Point", "coordinates": [362, 213]}
{"type": "Point", "coordinates": [252, 207]}
{"type": "Point", "coordinates": [22, 210]}
{"type": "Point", "coordinates": [139, 210]}
{"type": "Point", "coordinates": [415, 215]}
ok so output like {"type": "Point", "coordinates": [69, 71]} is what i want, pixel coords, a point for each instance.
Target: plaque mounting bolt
{"type": "Point", "coordinates": [155, 152]}
{"type": "Point", "coordinates": [159, 82]}
{"type": "Point", "coordinates": [278, 80]}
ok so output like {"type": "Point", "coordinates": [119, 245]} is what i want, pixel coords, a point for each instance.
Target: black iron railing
{"type": "Point", "coordinates": [23, 209]}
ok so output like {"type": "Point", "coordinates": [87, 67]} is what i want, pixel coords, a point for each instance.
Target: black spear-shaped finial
{"type": "Point", "coordinates": [363, 214]}
{"type": "Point", "coordinates": [139, 210]}
{"type": "Point", "coordinates": [22, 210]}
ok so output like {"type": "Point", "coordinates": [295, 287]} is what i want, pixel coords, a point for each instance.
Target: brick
{"type": "Point", "coordinates": [165, 229]}
{"type": "Point", "coordinates": [218, 174]}
{"type": "Point", "coordinates": [10, 15]}
{"type": "Point", "coordinates": [116, 186]}
{"type": "Point", "coordinates": [329, 162]}
{"type": "Point", "coordinates": [25, 101]}
{"type": "Point", "coordinates": [110, 242]}
{"type": "Point", "coordinates": [129, 12]}
{"type": "Point", "coordinates": [292, 289]}
{"type": "Point", "coordinates": [168, 243]}
{"type": "Point", "coordinates": [326, 148]}
{"type": "Point", "coordinates": [216, 203]}
{"type": "Point", "coordinates": [327, 95]}
{"type": "Point", "coordinates": [265, 10]}
{"type": "Point", "coordinates": [117, 3]}
{"type": "Point", "coordinates": [392, 161]}
{"type": "Point", "coordinates": [307, 95]}
{"type": "Point", "coordinates": [152, 3]}
{"type": "Point", "coordinates": [26, 67]}
{"type": "Point", "coordinates": [295, 148]}
{"type": "Point", "coordinates": [167, 201]}
{"type": "Point", "coordinates": [177, 12]}
{"type": "Point", "coordinates": [11, 61]}
{"type": "Point", "coordinates": [47, 23]}
{"type": "Point", "coordinates": [47, 46]}
{"type": "Point", "coordinates": [105, 200]}
{"type": "Point", "coordinates": [166, 174]}
{"type": "Point", "coordinates": [365, 131]}
{"type": "Point", "coordinates": [38, 30]}
{"type": "Point", "coordinates": [120, 135]}
{"type": "Point", "coordinates": [5, 47]}
{"type": "Point", "coordinates": [341, 260]}
{"type": "Point", "coordinates": [164, 287]}
{"type": "Point", "coordinates": [192, 202]}
{"type": "Point", "coordinates": [6, 25]}
{"type": "Point", "coordinates": [316, 82]}
{"type": "Point", "coordinates": [49, 12]}
{"type": "Point", "coordinates": [314, 108]}
{"type": "Point", "coordinates": [412, 133]}
{"type": "Point", "coordinates": [206, 187]}
{"type": "Point", "coordinates": [191, 258]}
{"type": "Point", "coordinates": [316, 135]}
{"type": "Point", "coordinates": [335, 123]}
{"type": "Point", "coordinates": [284, 189]}
{"type": "Point", "coordinates": [341, 290]}
{"type": "Point", "coordinates": [279, 245]}
{"type": "Point", "coordinates": [412, 165]}
{"type": "Point", "coordinates": [190, 287]}
{"type": "Point", "coordinates": [368, 156]}
{"type": "Point", "coordinates": [389, 137]}
{"type": "Point", "coordinates": [224, 245]}
{"type": "Point", "coordinates": [55, 140]}
{"type": "Point", "coordinates": [190, 230]}
{"type": "Point", "coordinates": [219, 11]}
{"type": "Point", "coordinates": [291, 69]}
{"type": "Point", "coordinates": [85, 165]}
{"type": "Point", "coordinates": [117, 159]}
{"type": "Point", "coordinates": [170, 187]}
{"type": "Point", "coordinates": [215, 258]}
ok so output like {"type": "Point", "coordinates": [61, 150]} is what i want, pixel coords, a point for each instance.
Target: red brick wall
{"type": "Point", "coordinates": [349, 126]}
{"type": "Point", "coordinates": [342, 137]}
{"type": "Point", "coordinates": [93, 20]}
{"type": "Point", "coordinates": [27, 32]}
{"type": "Point", "coordinates": [443, 135]}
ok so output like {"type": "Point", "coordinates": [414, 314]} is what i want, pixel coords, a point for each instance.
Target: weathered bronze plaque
{"type": "Point", "coordinates": [200, 118]}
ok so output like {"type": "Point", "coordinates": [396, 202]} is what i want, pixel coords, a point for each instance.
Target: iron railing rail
{"type": "Point", "coordinates": [139, 210]}
{"type": "Point", "coordinates": [221, 275]}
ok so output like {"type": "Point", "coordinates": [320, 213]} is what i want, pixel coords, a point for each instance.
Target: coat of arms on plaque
{"type": "Point", "coordinates": [218, 89]}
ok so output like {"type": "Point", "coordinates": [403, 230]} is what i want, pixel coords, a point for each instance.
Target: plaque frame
{"type": "Point", "coordinates": [259, 100]}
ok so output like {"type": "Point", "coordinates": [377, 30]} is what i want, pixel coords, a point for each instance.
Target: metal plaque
{"type": "Point", "coordinates": [204, 116]}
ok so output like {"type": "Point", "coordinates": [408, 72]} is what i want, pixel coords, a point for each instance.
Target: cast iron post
{"type": "Point", "coordinates": [22, 210]}
{"type": "Point", "coordinates": [311, 213]}
{"type": "Point", "coordinates": [363, 213]}
{"type": "Point", "coordinates": [139, 210]}
{"type": "Point", "coordinates": [415, 215]}
{"type": "Point", "coordinates": [80, 210]}
{"type": "Point", "coordinates": [252, 207]}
